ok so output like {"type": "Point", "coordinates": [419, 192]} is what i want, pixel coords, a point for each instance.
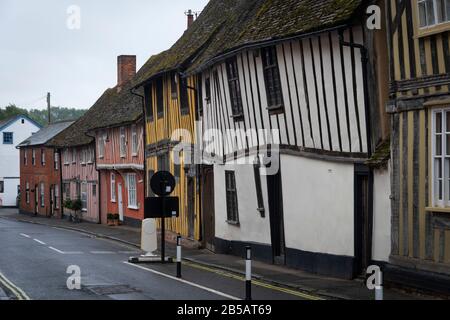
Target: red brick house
{"type": "Point", "coordinates": [40, 173]}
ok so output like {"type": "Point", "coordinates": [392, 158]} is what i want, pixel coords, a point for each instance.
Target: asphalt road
{"type": "Point", "coordinates": [34, 261]}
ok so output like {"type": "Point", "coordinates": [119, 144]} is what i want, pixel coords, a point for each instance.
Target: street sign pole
{"type": "Point", "coordinates": [163, 225]}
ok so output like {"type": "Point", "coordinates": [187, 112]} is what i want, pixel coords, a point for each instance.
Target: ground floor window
{"type": "Point", "coordinates": [27, 192]}
{"type": "Point", "coordinates": [232, 201]}
{"type": "Point", "coordinates": [132, 194]}
{"type": "Point", "coordinates": [56, 196]}
{"type": "Point", "coordinates": [2, 186]}
{"type": "Point", "coordinates": [42, 195]}
{"type": "Point", "coordinates": [66, 191]}
{"type": "Point", "coordinates": [84, 196]}
{"type": "Point", "coordinates": [441, 157]}
{"type": "Point", "coordinates": [113, 187]}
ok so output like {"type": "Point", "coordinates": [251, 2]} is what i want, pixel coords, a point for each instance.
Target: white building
{"type": "Point", "coordinates": [13, 131]}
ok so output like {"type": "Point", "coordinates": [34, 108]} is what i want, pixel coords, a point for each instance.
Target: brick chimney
{"type": "Point", "coordinates": [126, 69]}
{"type": "Point", "coordinates": [190, 18]}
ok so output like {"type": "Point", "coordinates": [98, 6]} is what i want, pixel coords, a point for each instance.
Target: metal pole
{"type": "Point", "coordinates": [379, 288]}
{"type": "Point", "coordinates": [248, 273]}
{"type": "Point", "coordinates": [178, 256]}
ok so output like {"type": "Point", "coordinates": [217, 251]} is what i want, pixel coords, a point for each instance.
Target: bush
{"type": "Point", "coordinates": [68, 204]}
{"type": "Point", "coordinates": [110, 216]}
{"type": "Point", "coordinates": [77, 205]}
{"type": "Point", "coordinates": [116, 216]}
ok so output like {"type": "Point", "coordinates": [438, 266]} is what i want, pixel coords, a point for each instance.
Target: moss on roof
{"type": "Point", "coordinates": [381, 155]}
{"type": "Point", "coordinates": [113, 108]}
{"type": "Point", "coordinates": [227, 24]}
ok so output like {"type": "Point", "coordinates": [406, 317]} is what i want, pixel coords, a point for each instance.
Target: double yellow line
{"type": "Point", "coordinates": [19, 293]}
{"type": "Point", "coordinates": [254, 282]}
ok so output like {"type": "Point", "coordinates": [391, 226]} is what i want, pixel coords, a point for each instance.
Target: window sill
{"type": "Point", "coordinates": [134, 155]}
{"type": "Point", "coordinates": [233, 223]}
{"type": "Point", "coordinates": [276, 109]}
{"type": "Point", "coordinates": [133, 208]}
{"type": "Point", "coordinates": [437, 209]}
{"type": "Point", "coordinates": [113, 201]}
{"type": "Point", "coordinates": [432, 30]}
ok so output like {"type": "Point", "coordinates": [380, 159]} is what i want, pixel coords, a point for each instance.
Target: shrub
{"type": "Point", "coordinates": [68, 204]}
{"type": "Point", "coordinates": [77, 205]}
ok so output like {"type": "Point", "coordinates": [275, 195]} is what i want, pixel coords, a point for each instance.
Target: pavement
{"type": "Point", "coordinates": [208, 268]}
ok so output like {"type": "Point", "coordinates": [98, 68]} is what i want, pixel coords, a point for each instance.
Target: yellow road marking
{"type": "Point", "coordinates": [19, 293]}
{"type": "Point", "coordinates": [255, 282]}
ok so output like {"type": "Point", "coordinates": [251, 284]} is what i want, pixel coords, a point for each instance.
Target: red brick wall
{"type": "Point", "coordinates": [35, 175]}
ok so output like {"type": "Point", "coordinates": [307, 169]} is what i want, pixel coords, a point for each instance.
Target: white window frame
{"type": "Point", "coordinates": [42, 194]}
{"type": "Point", "coordinates": [33, 157]}
{"type": "Point", "coordinates": [74, 156]}
{"type": "Point", "coordinates": [134, 141]}
{"type": "Point", "coordinates": [435, 13]}
{"type": "Point", "coordinates": [132, 191]}
{"type": "Point", "coordinates": [43, 162]}
{"type": "Point", "coordinates": [83, 157]}
{"type": "Point", "coordinates": [123, 142]}
{"type": "Point", "coordinates": [56, 156]}
{"type": "Point", "coordinates": [101, 145]}
{"type": "Point", "coordinates": [56, 194]}
{"type": "Point", "coordinates": [438, 201]}
{"type": "Point", "coordinates": [84, 196]}
{"type": "Point", "coordinates": [66, 157]}
{"type": "Point", "coordinates": [113, 188]}
{"type": "Point", "coordinates": [25, 157]}
{"type": "Point", "coordinates": [27, 192]}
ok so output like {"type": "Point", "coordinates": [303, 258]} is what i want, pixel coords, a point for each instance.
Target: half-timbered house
{"type": "Point", "coordinates": [119, 147]}
{"type": "Point", "coordinates": [40, 173]}
{"type": "Point", "coordinates": [419, 50]}
{"type": "Point", "coordinates": [290, 109]}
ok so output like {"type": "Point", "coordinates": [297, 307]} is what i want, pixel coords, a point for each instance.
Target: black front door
{"type": "Point", "coordinates": [191, 207]}
{"type": "Point", "coordinates": [207, 195]}
{"type": "Point", "coordinates": [363, 220]}
{"type": "Point", "coordinates": [275, 193]}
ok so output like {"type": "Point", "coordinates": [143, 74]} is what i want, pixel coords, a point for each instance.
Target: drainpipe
{"type": "Point", "coordinates": [364, 62]}
{"type": "Point", "coordinates": [58, 151]}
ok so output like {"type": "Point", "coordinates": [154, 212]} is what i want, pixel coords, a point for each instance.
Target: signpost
{"type": "Point", "coordinates": [163, 184]}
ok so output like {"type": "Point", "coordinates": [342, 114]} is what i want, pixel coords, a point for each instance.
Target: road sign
{"type": "Point", "coordinates": [162, 207]}
{"type": "Point", "coordinates": [163, 183]}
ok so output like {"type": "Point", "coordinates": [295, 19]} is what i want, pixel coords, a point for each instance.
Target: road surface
{"type": "Point", "coordinates": [34, 262]}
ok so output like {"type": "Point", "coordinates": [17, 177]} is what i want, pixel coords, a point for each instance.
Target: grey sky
{"type": "Point", "coordinates": [38, 53]}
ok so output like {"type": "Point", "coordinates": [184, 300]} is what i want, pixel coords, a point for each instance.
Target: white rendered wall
{"type": "Point", "coordinates": [252, 227]}
{"type": "Point", "coordinates": [10, 158]}
{"type": "Point", "coordinates": [318, 205]}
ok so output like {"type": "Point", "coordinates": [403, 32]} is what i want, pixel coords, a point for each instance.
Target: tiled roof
{"type": "Point", "coordinates": [45, 134]}
{"type": "Point", "coordinates": [113, 108]}
{"type": "Point", "coordinates": [228, 24]}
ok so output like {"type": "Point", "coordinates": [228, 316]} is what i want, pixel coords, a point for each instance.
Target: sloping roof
{"type": "Point", "coordinates": [225, 25]}
{"type": "Point", "coordinates": [6, 122]}
{"type": "Point", "coordinates": [45, 134]}
{"type": "Point", "coordinates": [113, 108]}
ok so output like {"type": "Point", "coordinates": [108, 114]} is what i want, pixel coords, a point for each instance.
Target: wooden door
{"type": "Point", "coordinates": [208, 208]}
{"type": "Point", "coordinates": [275, 193]}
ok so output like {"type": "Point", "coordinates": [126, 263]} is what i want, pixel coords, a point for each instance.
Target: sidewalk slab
{"type": "Point", "coordinates": [330, 288]}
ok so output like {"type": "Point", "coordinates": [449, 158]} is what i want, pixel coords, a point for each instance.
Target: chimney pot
{"type": "Point", "coordinates": [126, 68]}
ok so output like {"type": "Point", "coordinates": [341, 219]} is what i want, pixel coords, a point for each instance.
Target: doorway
{"type": "Point", "coordinates": [190, 207]}
{"type": "Point", "coordinates": [36, 200]}
{"type": "Point", "coordinates": [52, 201]}
{"type": "Point", "coordinates": [363, 219]}
{"type": "Point", "coordinates": [120, 201]}
{"type": "Point", "coordinates": [275, 193]}
{"type": "Point", "coordinates": [207, 195]}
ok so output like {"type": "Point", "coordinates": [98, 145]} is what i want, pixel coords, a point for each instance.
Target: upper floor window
{"type": "Point", "coordinates": [208, 89]}
{"type": "Point", "coordinates": [83, 157]}
{"type": "Point", "coordinates": [43, 157]}
{"type": "Point", "coordinates": [160, 97]}
{"type": "Point", "coordinates": [134, 140]}
{"type": "Point", "coordinates": [441, 157]}
{"type": "Point", "coordinates": [8, 138]}
{"type": "Point", "coordinates": [174, 86]}
{"type": "Point", "coordinates": [74, 156]}
{"type": "Point", "coordinates": [235, 88]}
{"type": "Point", "coordinates": [433, 12]}
{"type": "Point", "coordinates": [101, 145]}
{"type": "Point", "coordinates": [56, 155]}
{"type": "Point", "coordinates": [33, 157]}
{"type": "Point", "coordinates": [123, 143]}
{"type": "Point", "coordinates": [149, 102]}
{"type": "Point", "coordinates": [90, 155]}
{"type": "Point", "coordinates": [272, 79]}
{"type": "Point", "coordinates": [25, 157]}
{"type": "Point", "coordinates": [66, 157]}
{"type": "Point", "coordinates": [184, 97]}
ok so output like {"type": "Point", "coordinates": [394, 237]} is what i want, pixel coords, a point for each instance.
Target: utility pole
{"type": "Point", "coordinates": [49, 108]}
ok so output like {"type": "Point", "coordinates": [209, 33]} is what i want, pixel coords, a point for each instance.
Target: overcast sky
{"type": "Point", "coordinates": [40, 54]}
